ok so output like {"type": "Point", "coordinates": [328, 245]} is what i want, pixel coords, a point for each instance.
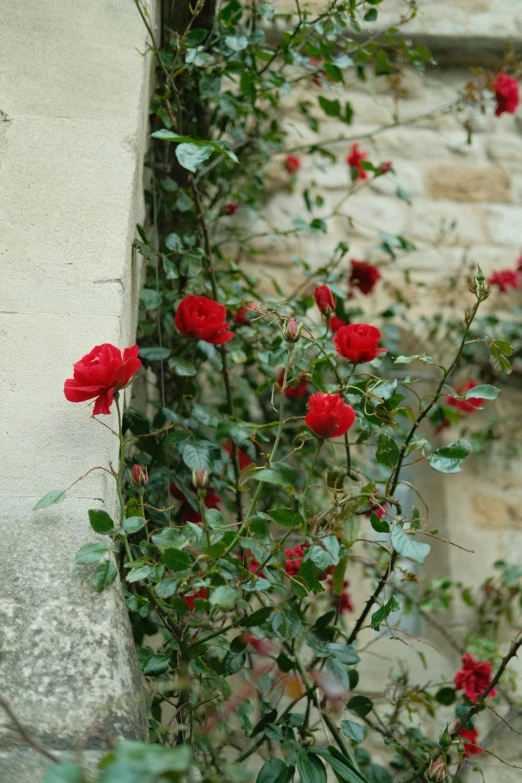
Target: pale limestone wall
{"type": "Point", "coordinates": [74, 95]}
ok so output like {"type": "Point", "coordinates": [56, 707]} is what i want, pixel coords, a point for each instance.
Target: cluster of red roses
{"type": "Point", "coordinates": [507, 278]}
{"type": "Point", "coordinates": [474, 678]}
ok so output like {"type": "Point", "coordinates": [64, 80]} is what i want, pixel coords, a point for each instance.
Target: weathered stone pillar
{"type": "Point", "coordinates": [74, 87]}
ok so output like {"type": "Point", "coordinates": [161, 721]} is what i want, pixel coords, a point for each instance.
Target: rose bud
{"type": "Point", "coordinates": [292, 164]}
{"type": "Point", "coordinates": [324, 299]}
{"type": "Point", "coordinates": [139, 476]}
{"type": "Point", "coordinates": [385, 166]}
{"type": "Point", "coordinates": [292, 330]}
{"type": "Point", "coordinates": [200, 478]}
{"type": "Point", "coordinates": [229, 209]}
{"type": "Point", "coordinates": [437, 771]}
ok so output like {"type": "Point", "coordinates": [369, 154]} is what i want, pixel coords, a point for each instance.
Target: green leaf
{"type": "Point", "coordinates": [167, 587]}
{"type": "Point", "coordinates": [173, 242]}
{"type": "Point", "coordinates": [151, 298]}
{"type": "Point", "coordinates": [378, 524]}
{"type": "Point", "coordinates": [341, 765]}
{"type": "Point", "coordinates": [258, 617]}
{"type": "Point", "coordinates": [270, 476]}
{"type": "Point", "coordinates": [371, 15]}
{"type": "Point", "coordinates": [190, 156]}
{"type": "Point", "coordinates": [408, 547]}
{"type": "Point", "coordinates": [487, 392]}
{"type": "Point", "coordinates": [498, 358]}
{"type": "Point", "coordinates": [384, 389]}
{"type": "Point", "coordinates": [90, 553]}
{"type": "Point", "coordinates": [176, 559]}
{"type": "Point", "coordinates": [338, 575]}
{"type": "Point", "coordinates": [64, 772]}
{"type": "Point", "coordinates": [247, 85]}
{"type": "Point", "coordinates": [155, 665]}
{"type": "Point", "coordinates": [101, 522]}
{"type": "Point", "coordinates": [418, 357]}
{"type": "Point", "coordinates": [378, 617]}
{"type": "Point", "coordinates": [285, 516]}
{"type": "Point", "coordinates": [104, 575]}
{"type": "Point", "coordinates": [54, 496]}
{"type": "Point", "coordinates": [225, 597]}
{"type": "Point", "coordinates": [448, 458]}
{"type": "Point", "coordinates": [133, 524]}
{"type": "Point", "coordinates": [275, 771]}
{"type": "Point", "coordinates": [353, 730]}
{"type": "Point", "coordinates": [155, 354]}
{"type": "Point", "coordinates": [196, 37]}
{"type": "Point", "coordinates": [330, 108]}
{"type": "Point", "coordinates": [196, 457]}
{"type": "Point", "coordinates": [360, 705]}
{"type": "Point", "coordinates": [236, 42]}
{"type": "Point", "coordinates": [311, 768]}
{"type": "Point", "coordinates": [387, 450]}
{"type": "Point", "coordinates": [446, 696]}
{"type": "Point", "coordinates": [344, 653]}
{"type": "Point", "coordinates": [182, 367]}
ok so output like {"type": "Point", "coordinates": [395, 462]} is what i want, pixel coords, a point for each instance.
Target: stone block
{"type": "Point", "coordinates": [506, 149]}
{"type": "Point", "coordinates": [446, 223]}
{"type": "Point", "coordinates": [504, 225]}
{"type": "Point", "coordinates": [469, 183]}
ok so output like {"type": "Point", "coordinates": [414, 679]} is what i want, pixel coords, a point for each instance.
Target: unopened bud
{"type": "Point", "coordinates": [437, 772]}
{"type": "Point", "coordinates": [139, 476]}
{"type": "Point", "coordinates": [445, 739]}
{"type": "Point", "coordinates": [200, 478]}
{"type": "Point", "coordinates": [480, 276]}
{"type": "Point", "coordinates": [292, 331]}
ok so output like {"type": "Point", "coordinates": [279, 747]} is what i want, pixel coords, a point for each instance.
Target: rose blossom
{"type": "Point", "coordinates": [294, 558]}
{"type": "Point", "coordinates": [100, 374]}
{"type": "Point", "coordinates": [324, 299]}
{"type": "Point", "coordinates": [354, 159]}
{"type": "Point", "coordinates": [292, 164]}
{"type": "Point", "coordinates": [328, 415]}
{"type": "Point", "coordinates": [297, 388]}
{"type": "Point", "coordinates": [244, 459]}
{"type": "Point", "coordinates": [203, 318]}
{"type": "Point", "coordinates": [471, 405]}
{"type": "Point", "coordinates": [190, 599]}
{"type": "Point", "coordinates": [336, 323]}
{"type": "Point", "coordinates": [363, 276]}
{"type": "Point", "coordinates": [358, 342]}
{"type": "Point", "coordinates": [506, 278]}
{"type": "Point", "coordinates": [474, 678]}
{"type": "Point", "coordinates": [506, 94]}
{"type": "Point", "coordinates": [229, 209]}
{"type": "Point", "coordinates": [470, 737]}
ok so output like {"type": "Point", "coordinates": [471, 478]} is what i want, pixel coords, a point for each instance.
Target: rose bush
{"type": "Point", "coordinates": [268, 474]}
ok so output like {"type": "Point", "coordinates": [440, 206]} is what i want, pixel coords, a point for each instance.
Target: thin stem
{"type": "Point", "coordinates": [119, 476]}
{"type": "Point", "coordinates": [25, 734]}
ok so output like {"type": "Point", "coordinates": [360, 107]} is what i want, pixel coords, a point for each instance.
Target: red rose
{"type": "Point", "coordinates": [324, 299]}
{"type": "Point", "coordinates": [358, 342]}
{"type": "Point", "coordinates": [297, 387]}
{"type": "Point", "coordinates": [244, 459]}
{"type": "Point", "coordinates": [229, 209]}
{"type": "Point", "coordinates": [474, 677]}
{"type": "Point", "coordinates": [506, 278]}
{"type": "Point", "coordinates": [471, 405]}
{"type": "Point", "coordinates": [292, 164]}
{"type": "Point", "coordinates": [241, 317]}
{"type": "Point", "coordinates": [506, 93]}
{"type": "Point", "coordinates": [190, 599]}
{"type": "Point", "coordinates": [100, 374]}
{"type": "Point", "coordinates": [294, 558]}
{"type": "Point", "coordinates": [328, 415]}
{"type": "Point", "coordinates": [470, 737]}
{"type": "Point", "coordinates": [336, 323]}
{"type": "Point", "coordinates": [354, 159]}
{"type": "Point", "coordinates": [519, 264]}
{"type": "Point", "coordinates": [203, 318]}
{"type": "Point", "coordinates": [189, 514]}
{"type": "Point", "coordinates": [364, 276]}
{"type": "Point", "coordinates": [260, 646]}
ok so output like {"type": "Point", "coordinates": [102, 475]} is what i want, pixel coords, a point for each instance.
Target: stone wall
{"type": "Point", "coordinates": [464, 207]}
{"type": "Point", "coordinates": [74, 100]}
